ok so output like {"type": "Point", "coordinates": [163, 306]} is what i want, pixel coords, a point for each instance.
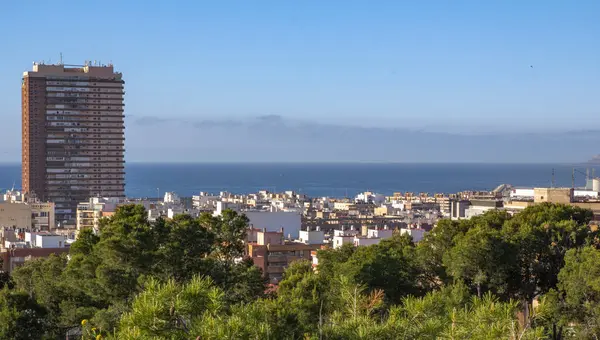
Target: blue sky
{"type": "Point", "coordinates": [434, 66]}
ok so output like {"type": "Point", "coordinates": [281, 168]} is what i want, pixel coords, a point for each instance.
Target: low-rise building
{"type": "Point", "coordinates": [290, 221]}
{"type": "Point", "coordinates": [316, 236]}
{"type": "Point", "coordinates": [417, 234]}
{"type": "Point", "coordinates": [480, 207]}
{"type": "Point", "coordinates": [42, 213]}
{"type": "Point", "coordinates": [553, 195]}
{"type": "Point", "coordinates": [44, 240]}
{"type": "Point", "coordinates": [344, 236]}
{"type": "Point", "coordinates": [384, 232]}
{"type": "Point", "coordinates": [19, 246]}
{"type": "Point", "coordinates": [361, 241]}
{"type": "Point", "coordinates": [273, 254]}
{"type": "Point", "coordinates": [16, 257]}
{"type": "Point", "coordinates": [205, 200]}
{"type": "Point", "coordinates": [16, 215]}
{"type": "Point", "coordinates": [457, 209]}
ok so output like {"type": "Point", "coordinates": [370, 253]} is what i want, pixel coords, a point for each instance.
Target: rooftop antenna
{"type": "Point", "coordinates": [61, 59]}
{"type": "Point", "coordinates": [573, 179]}
{"type": "Point", "coordinates": [552, 177]}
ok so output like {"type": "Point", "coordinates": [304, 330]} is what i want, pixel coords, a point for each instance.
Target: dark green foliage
{"type": "Point", "coordinates": [21, 317]}
{"type": "Point", "coordinates": [106, 271]}
{"type": "Point", "coordinates": [181, 278]}
{"type": "Point", "coordinates": [484, 260]}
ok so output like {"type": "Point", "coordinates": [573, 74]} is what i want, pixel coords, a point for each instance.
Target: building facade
{"type": "Point", "coordinates": [73, 135]}
{"type": "Point", "coordinates": [272, 254]}
{"type": "Point", "coordinates": [41, 214]}
{"type": "Point", "coordinates": [91, 212]}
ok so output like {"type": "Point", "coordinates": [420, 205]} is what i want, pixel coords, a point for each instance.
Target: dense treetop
{"type": "Point", "coordinates": [532, 276]}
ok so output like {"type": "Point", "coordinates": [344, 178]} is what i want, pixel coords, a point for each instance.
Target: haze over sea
{"type": "Point", "coordinates": [327, 179]}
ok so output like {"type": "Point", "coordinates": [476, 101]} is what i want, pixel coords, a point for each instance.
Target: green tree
{"type": "Point", "coordinates": [429, 252]}
{"type": "Point", "coordinates": [41, 280]}
{"type": "Point", "coordinates": [21, 317]}
{"type": "Point", "coordinates": [183, 243]}
{"type": "Point", "coordinates": [541, 236]}
{"type": "Point", "coordinates": [388, 266]}
{"type": "Point", "coordinates": [257, 320]}
{"type": "Point", "coordinates": [331, 259]}
{"type": "Point", "coordinates": [168, 310]}
{"type": "Point", "coordinates": [483, 259]}
{"type": "Point", "coordinates": [579, 281]}
{"type": "Point", "coordinates": [304, 295]}
{"type": "Point", "coordinates": [230, 229]}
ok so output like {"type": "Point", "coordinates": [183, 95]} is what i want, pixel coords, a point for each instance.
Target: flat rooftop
{"type": "Point", "coordinates": [88, 69]}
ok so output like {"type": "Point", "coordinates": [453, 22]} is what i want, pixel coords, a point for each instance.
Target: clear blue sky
{"type": "Point", "coordinates": [416, 64]}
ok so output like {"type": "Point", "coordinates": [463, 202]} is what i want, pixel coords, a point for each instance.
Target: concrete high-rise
{"type": "Point", "coordinates": [73, 134]}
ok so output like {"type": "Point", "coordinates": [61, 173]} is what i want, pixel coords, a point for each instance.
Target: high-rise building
{"type": "Point", "coordinates": [73, 135]}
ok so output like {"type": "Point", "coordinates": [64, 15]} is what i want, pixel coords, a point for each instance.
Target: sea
{"type": "Point", "coordinates": [330, 179]}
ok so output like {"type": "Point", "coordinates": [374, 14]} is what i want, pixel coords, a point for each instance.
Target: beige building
{"type": "Point", "coordinates": [38, 216]}
{"type": "Point", "coordinates": [16, 215]}
{"type": "Point", "coordinates": [343, 205]}
{"type": "Point", "coordinates": [90, 213]}
{"type": "Point", "coordinates": [42, 215]}
{"type": "Point", "coordinates": [553, 195]}
{"type": "Point", "coordinates": [73, 134]}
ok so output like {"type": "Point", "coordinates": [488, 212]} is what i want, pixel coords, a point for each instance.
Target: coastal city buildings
{"type": "Point", "coordinates": [73, 134]}
{"type": "Point", "coordinates": [21, 211]}
{"type": "Point", "coordinates": [89, 213]}
{"type": "Point", "coordinates": [19, 245]}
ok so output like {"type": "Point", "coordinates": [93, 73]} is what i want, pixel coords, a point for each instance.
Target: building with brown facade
{"type": "Point", "coordinates": [73, 135]}
{"type": "Point", "coordinates": [273, 254]}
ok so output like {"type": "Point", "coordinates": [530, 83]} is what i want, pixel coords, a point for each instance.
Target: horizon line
{"type": "Point", "coordinates": [591, 164]}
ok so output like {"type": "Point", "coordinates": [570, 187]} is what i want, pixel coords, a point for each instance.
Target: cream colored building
{"type": "Point", "coordinates": [16, 215]}
{"type": "Point", "coordinates": [342, 205]}
{"type": "Point", "coordinates": [90, 213]}
{"type": "Point", "coordinates": [553, 195]}
{"type": "Point", "coordinates": [42, 215]}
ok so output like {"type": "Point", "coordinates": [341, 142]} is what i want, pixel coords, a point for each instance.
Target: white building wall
{"type": "Point", "coordinates": [350, 232]}
{"type": "Point", "coordinates": [30, 237]}
{"type": "Point", "coordinates": [274, 221]}
{"type": "Point", "coordinates": [312, 237]}
{"type": "Point", "coordinates": [224, 206]}
{"type": "Point", "coordinates": [522, 193]}
{"type": "Point", "coordinates": [172, 212]}
{"type": "Point", "coordinates": [473, 211]}
{"type": "Point", "coordinates": [417, 234]}
{"type": "Point", "coordinates": [171, 197]}
{"type": "Point", "coordinates": [585, 193]}
{"type": "Point", "coordinates": [380, 233]}
{"type": "Point", "coordinates": [339, 241]}
{"type": "Point", "coordinates": [365, 241]}
{"type": "Point", "coordinates": [49, 241]}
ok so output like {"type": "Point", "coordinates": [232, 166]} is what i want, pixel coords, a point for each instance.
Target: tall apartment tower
{"type": "Point", "coordinates": [73, 135]}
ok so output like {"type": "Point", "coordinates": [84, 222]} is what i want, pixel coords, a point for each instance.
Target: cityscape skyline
{"type": "Point", "coordinates": [434, 68]}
